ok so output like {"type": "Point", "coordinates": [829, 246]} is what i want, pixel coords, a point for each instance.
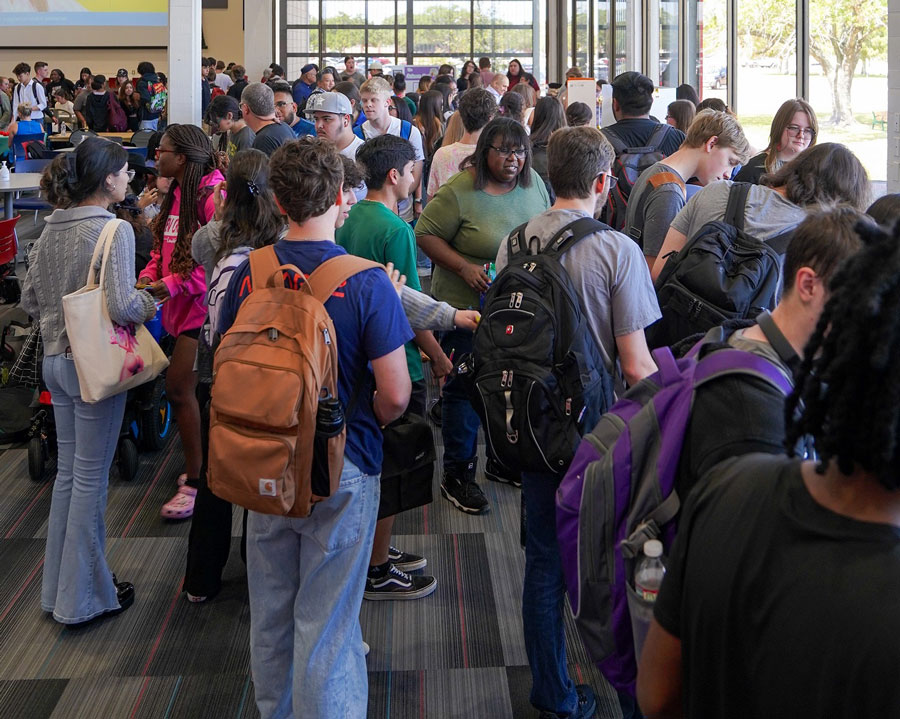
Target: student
{"type": "Point", "coordinates": [97, 107]}
{"type": "Point", "coordinates": [461, 230]}
{"type": "Point", "coordinates": [885, 210]}
{"type": "Point", "coordinates": [258, 111]}
{"type": "Point", "coordinates": [6, 110]}
{"type": "Point", "coordinates": [822, 242]}
{"type": "Point", "coordinates": [333, 117]}
{"type": "Point", "coordinates": [205, 90]}
{"type": "Point", "coordinates": [223, 81]}
{"type": "Point", "coordinates": [240, 82]}
{"type": "Point", "coordinates": [579, 114]}
{"type": "Point", "coordinates": [714, 146]}
{"type": "Point", "coordinates": [618, 297]}
{"type": "Point", "coordinates": [484, 67]}
{"type": "Point", "coordinates": [305, 640]}
{"type": "Point", "coordinates": [794, 128]}
{"type": "Point", "coordinates": [305, 84]}
{"type": "Point", "coordinates": [286, 111]}
{"type": "Point", "coordinates": [827, 173]}
{"type": "Point", "coordinates": [186, 156]}
{"type": "Point", "coordinates": [224, 117]}
{"type": "Point", "coordinates": [476, 109]}
{"type": "Point", "coordinates": [549, 116]}
{"type": "Point", "coordinates": [326, 79]}
{"type": "Point", "coordinates": [145, 86]}
{"type": "Point", "coordinates": [350, 73]}
{"type": "Point", "coordinates": [498, 86]}
{"type": "Point", "coordinates": [786, 568]}
{"type": "Point", "coordinates": [374, 231]}
{"type": "Point", "coordinates": [23, 125]}
{"type": "Point", "coordinates": [400, 91]}
{"type": "Point", "coordinates": [632, 100]}
{"type": "Point", "coordinates": [681, 114]}
{"type": "Point", "coordinates": [30, 91]}
{"type": "Point", "coordinates": [376, 100]}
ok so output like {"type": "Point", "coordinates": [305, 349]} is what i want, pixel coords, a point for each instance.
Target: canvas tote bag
{"type": "Point", "coordinates": [109, 358]}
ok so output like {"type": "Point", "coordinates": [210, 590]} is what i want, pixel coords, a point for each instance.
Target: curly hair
{"type": "Point", "coordinates": [847, 396]}
{"type": "Point", "coordinates": [200, 160]}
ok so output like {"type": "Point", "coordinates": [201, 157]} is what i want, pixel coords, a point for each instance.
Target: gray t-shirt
{"type": "Point", "coordinates": [767, 215]}
{"type": "Point", "coordinates": [660, 206]}
{"type": "Point", "coordinates": [609, 274]}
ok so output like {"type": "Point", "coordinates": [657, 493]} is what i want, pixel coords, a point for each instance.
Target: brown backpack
{"type": "Point", "coordinates": [272, 366]}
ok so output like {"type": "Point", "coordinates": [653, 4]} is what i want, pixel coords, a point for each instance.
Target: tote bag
{"type": "Point", "coordinates": [109, 358]}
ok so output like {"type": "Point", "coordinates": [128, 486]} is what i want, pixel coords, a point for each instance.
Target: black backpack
{"type": "Point", "coordinates": [630, 162]}
{"type": "Point", "coordinates": [721, 274]}
{"type": "Point", "coordinates": [535, 375]}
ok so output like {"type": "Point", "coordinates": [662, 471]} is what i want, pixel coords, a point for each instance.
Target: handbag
{"type": "Point", "coordinates": [109, 358]}
{"type": "Point", "coordinates": [408, 466]}
{"type": "Point", "coordinates": [26, 370]}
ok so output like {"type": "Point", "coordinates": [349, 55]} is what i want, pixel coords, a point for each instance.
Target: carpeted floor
{"type": "Point", "coordinates": [458, 653]}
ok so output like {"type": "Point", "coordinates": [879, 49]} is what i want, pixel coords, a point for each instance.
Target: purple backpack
{"type": "Point", "coordinates": [619, 492]}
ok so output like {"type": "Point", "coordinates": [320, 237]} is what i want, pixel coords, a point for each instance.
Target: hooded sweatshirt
{"type": "Point", "coordinates": [186, 308]}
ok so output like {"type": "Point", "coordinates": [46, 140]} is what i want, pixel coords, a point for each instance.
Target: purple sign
{"type": "Point", "coordinates": [414, 73]}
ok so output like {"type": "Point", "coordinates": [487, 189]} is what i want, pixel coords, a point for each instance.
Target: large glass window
{"type": "Point", "coordinates": [668, 43]}
{"type": "Point", "coordinates": [848, 86]}
{"type": "Point", "coordinates": [589, 33]}
{"type": "Point", "coordinates": [439, 31]}
{"type": "Point", "coordinates": [708, 46]}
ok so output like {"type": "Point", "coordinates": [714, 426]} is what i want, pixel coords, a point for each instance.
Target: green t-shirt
{"type": "Point", "coordinates": [474, 224]}
{"type": "Point", "coordinates": [374, 232]}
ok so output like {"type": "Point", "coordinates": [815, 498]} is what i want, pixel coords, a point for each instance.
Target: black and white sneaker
{"type": "Point", "coordinates": [464, 492]}
{"type": "Point", "coordinates": [406, 562]}
{"type": "Point", "coordinates": [395, 584]}
{"type": "Point", "coordinates": [494, 472]}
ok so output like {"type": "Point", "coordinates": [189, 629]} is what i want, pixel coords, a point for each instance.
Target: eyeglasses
{"type": "Point", "coordinates": [797, 130]}
{"type": "Point", "coordinates": [160, 151]}
{"type": "Point", "coordinates": [130, 174]}
{"type": "Point", "coordinates": [283, 103]}
{"type": "Point", "coordinates": [612, 179]}
{"type": "Point", "coordinates": [519, 152]}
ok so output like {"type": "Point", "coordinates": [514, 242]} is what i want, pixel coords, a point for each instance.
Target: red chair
{"type": "Point", "coordinates": [8, 249]}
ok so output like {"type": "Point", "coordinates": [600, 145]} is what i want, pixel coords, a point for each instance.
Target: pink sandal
{"type": "Point", "coordinates": [181, 506]}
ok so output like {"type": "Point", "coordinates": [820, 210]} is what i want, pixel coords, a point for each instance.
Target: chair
{"type": "Point", "coordinates": [879, 118]}
{"type": "Point", "coordinates": [9, 249]}
{"type": "Point", "coordinates": [19, 144]}
{"type": "Point", "coordinates": [32, 202]}
{"type": "Point", "coordinates": [79, 135]}
{"type": "Point", "coordinates": [142, 137]}
{"type": "Point", "coordinates": [142, 151]}
{"type": "Point", "coordinates": [4, 147]}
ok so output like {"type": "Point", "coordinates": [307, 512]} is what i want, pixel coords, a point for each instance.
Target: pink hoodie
{"type": "Point", "coordinates": [186, 309]}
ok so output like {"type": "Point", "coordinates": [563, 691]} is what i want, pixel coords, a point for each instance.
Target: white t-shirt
{"type": "Point", "coordinates": [223, 81]}
{"type": "Point", "coordinates": [404, 207]}
{"type": "Point", "coordinates": [32, 93]}
{"type": "Point", "coordinates": [350, 151]}
{"type": "Point", "coordinates": [445, 164]}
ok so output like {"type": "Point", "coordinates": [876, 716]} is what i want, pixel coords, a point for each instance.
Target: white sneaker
{"type": "Point", "coordinates": [365, 649]}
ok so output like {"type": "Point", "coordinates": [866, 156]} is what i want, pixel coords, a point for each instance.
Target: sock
{"type": "Point", "coordinates": [379, 570]}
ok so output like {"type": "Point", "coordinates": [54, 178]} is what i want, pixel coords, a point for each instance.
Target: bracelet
{"type": "Point", "coordinates": [417, 200]}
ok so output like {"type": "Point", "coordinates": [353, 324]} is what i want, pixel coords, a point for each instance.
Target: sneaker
{"type": "Point", "coordinates": [494, 472]}
{"type": "Point", "coordinates": [365, 649]}
{"type": "Point", "coordinates": [181, 506]}
{"type": "Point", "coordinates": [462, 489]}
{"type": "Point", "coordinates": [436, 413]}
{"type": "Point", "coordinates": [406, 562]}
{"type": "Point", "coordinates": [399, 585]}
{"type": "Point", "coordinates": [587, 705]}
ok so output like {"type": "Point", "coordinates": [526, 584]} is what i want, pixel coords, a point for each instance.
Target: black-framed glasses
{"type": "Point", "coordinates": [797, 130]}
{"type": "Point", "coordinates": [519, 152]}
{"type": "Point", "coordinates": [283, 103]}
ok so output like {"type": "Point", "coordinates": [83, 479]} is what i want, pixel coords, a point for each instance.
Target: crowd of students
{"type": "Point", "coordinates": [777, 594]}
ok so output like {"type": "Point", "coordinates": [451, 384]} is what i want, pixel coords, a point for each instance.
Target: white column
{"type": "Point", "coordinates": [184, 61]}
{"type": "Point", "coordinates": [259, 38]}
{"type": "Point", "coordinates": [893, 159]}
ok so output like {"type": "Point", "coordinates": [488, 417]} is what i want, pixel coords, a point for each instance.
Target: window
{"type": "Point", "coordinates": [708, 46]}
{"type": "Point", "coordinates": [668, 43]}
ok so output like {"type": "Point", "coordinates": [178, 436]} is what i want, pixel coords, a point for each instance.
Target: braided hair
{"type": "Point", "coordinates": [197, 149]}
{"type": "Point", "coordinates": [849, 386]}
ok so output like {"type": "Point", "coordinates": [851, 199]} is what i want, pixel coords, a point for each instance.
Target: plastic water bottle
{"type": "Point", "coordinates": [648, 579]}
{"type": "Point", "coordinates": [4, 173]}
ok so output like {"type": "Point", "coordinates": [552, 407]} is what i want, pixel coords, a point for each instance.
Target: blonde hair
{"type": "Point", "coordinates": [710, 123]}
{"type": "Point", "coordinates": [23, 110]}
{"type": "Point", "coordinates": [454, 130]}
{"type": "Point", "coordinates": [376, 86]}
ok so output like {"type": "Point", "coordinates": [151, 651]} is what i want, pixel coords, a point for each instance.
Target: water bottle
{"type": "Point", "coordinates": [329, 423]}
{"type": "Point", "coordinates": [648, 579]}
{"type": "Point", "coordinates": [4, 173]}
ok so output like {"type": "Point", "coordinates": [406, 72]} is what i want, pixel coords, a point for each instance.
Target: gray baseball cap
{"type": "Point", "coordinates": [334, 102]}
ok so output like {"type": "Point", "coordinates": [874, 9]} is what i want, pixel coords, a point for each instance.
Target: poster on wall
{"type": "Point", "coordinates": [75, 23]}
{"type": "Point", "coordinates": [414, 73]}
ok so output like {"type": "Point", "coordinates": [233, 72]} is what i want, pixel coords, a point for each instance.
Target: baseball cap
{"type": "Point", "coordinates": [122, 72]}
{"type": "Point", "coordinates": [309, 66]}
{"type": "Point", "coordinates": [334, 102]}
{"type": "Point", "coordinates": [375, 66]}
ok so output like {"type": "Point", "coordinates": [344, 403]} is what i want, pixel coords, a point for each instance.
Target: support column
{"type": "Point", "coordinates": [184, 61]}
{"type": "Point", "coordinates": [259, 38]}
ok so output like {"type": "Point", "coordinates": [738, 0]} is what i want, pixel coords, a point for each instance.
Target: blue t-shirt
{"type": "Point", "coordinates": [301, 92]}
{"type": "Point", "coordinates": [302, 127]}
{"type": "Point", "coordinates": [369, 323]}
{"type": "Point", "coordinates": [29, 127]}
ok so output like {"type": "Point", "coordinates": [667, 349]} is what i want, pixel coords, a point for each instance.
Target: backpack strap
{"type": "Point", "coordinates": [659, 136]}
{"type": "Point", "coordinates": [655, 181]}
{"type": "Point", "coordinates": [666, 178]}
{"type": "Point", "coordinates": [573, 233]}
{"type": "Point", "coordinates": [263, 266]}
{"type": "Point", "coordinates": [780, 243]}
{"type": "Point", "coordinates": [737, 204]}
{"type": "Point", "coordinates": [515, 243]}
{"type": "Point", "coordinates": [618, 146]}
{"type": "Point", "coordinates": [331, 274]}
{"type": "Point", "coordinates": [732, 361]}
{"type": "Point", "coordinates": [778, 341]}
{"type": "Point", "coordinates": [405, 129]}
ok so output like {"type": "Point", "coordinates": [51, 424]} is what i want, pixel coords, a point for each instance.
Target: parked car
{"type": "Point", "coordinates": [719, 79]}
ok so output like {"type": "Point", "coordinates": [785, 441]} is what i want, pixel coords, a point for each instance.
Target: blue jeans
{"type": "Point", "coordinates": [542, 611]}
{"type": "Point", "coordinates": [77, 583]}
{"type": "Point", "coordinates": [306, 579]}
{"type": "Point", "coordinates": [459, 426]}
